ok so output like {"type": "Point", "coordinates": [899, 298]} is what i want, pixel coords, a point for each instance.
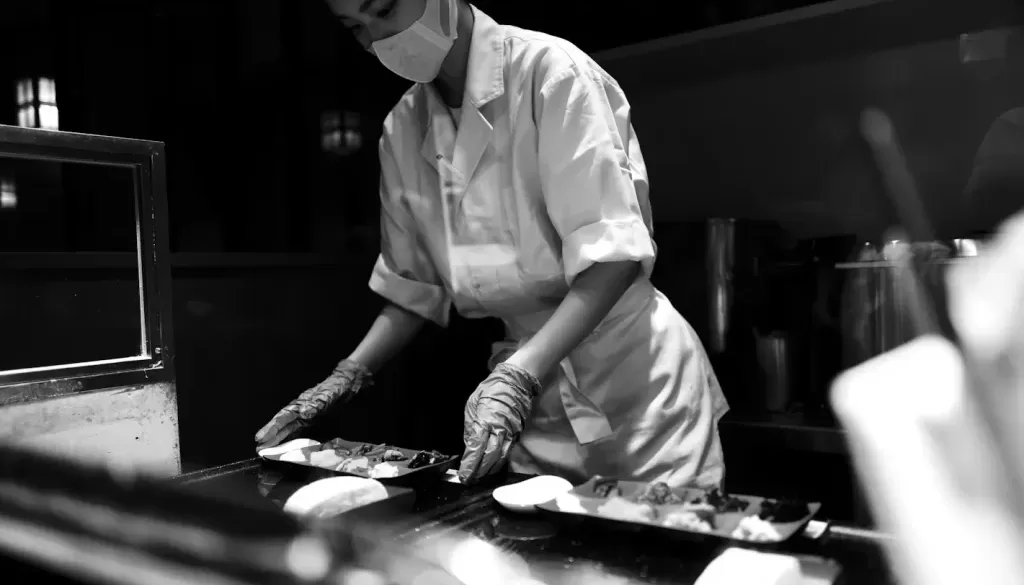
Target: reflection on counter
{"type": "Point", "coordinates": [447, 510]}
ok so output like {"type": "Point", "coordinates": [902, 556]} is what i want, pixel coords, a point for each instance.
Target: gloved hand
{"type": "Point", "coordinates": [347, 379]}
{"type": "Point", "coordinates": [494, 418]}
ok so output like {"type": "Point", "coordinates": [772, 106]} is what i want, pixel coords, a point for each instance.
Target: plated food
{"type": "Point", "coordinates": [730, 516]}
{"type": "Point", "coordinates": [366, 460]}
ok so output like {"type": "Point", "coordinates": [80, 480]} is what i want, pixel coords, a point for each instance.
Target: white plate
{"type": "Point", "coordinates": [335, 495]}
{"type": "Point", "coordinates": [292, 445]}
{"type": "Point", "coordinates": [523, 496]}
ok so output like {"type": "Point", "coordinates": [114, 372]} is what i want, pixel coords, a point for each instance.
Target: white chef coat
{"type": "Point", "coordinates": [541, 178]}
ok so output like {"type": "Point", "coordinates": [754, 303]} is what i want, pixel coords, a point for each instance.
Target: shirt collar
{"type": "Point", "coordinates": [485, 73]}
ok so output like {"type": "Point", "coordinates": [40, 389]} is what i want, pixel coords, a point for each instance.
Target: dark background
{"type": "Point", "coordinates": [273, 238]}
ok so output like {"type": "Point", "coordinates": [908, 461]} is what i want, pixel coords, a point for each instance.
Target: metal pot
{"type": "Point", "coordinates": [774, 355]}
{"type": "Point", "coordinates": [876, 316]}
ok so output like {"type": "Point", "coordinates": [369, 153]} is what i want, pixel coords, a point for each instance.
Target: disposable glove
{"type": "Point", "coordinates": [494, 418]}
{"type": "Point", "coordinates": [346, 380]}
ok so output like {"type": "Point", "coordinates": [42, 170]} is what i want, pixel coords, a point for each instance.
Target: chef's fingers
{"type": "Point", "coordinates": [476, 442]}
{"type": "Point", "coordinates": [493, 453]}
{"type": "Point", "coordinates": [280, 428]}
{"type": "Point", "coordinates": [270, 429]}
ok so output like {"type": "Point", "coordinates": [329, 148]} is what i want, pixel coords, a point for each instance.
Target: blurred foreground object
{"type": "Point", "coordinates": [751, 567]}
{"type": "Point", "coordinates": [107, 525]}
{"type": "Point", "coordinates": [923, 438]}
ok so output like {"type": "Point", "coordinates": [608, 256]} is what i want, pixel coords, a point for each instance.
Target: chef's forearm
{"type": "Point", "coordinates": [393, 329]}
{"type": "Point", "coordinates": [593, 294]}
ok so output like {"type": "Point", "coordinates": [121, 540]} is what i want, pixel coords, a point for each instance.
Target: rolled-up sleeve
{"type": "Point", "coordinates": [404, 273]}
{"type": "Point", "coordinates": [591, 171]}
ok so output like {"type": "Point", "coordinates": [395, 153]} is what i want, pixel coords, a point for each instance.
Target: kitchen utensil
{"type": "Point", "coordinates": [929, 308]}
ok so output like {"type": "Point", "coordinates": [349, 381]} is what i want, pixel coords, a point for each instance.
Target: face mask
{"type": "Point", "coordinates": [417, 52]}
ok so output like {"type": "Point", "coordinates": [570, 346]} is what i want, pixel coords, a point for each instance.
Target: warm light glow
{"type": "Point", "coordinates": [340, 132]}
{"type": "Point", "coordinates": [49, 117]}
{"type": "Point", "coordinates": [38, 108]}
{"type": "Point", "coordinates": [8, 194]}
{"type": "Point", "coordinates": [26, 92]}
{"type": "Point", "coordinates": [47, 91]}
{"type": "Point", "coordinates": [27, 117]}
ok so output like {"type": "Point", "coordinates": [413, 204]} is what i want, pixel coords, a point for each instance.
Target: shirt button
{"type": "Point", "coordinates": [440, 156]}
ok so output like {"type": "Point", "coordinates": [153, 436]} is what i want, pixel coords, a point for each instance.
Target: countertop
{"type": "Point", "coordinates": [635, 556]}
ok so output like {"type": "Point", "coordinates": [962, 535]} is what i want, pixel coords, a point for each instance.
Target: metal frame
{"type": "Point", "coordinates": [156, 360]}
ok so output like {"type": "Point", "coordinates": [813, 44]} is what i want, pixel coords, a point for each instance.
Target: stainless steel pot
{"type": "Point", "coordinates": [876, 316]}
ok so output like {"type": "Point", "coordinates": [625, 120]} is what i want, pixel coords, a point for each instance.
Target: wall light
{"type": "Point", "coordinates": [8, 194]}
{"type": "Point", "coordinates": [37, 103]}
{"type": "Point", "coordinates": [340, 132]}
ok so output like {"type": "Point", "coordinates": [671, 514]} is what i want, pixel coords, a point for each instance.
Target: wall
{"type": "Point", "coordinates": [251, 332]}
{"type": "Point", "coordinates": [251, 338]}
{"type": "Point", "coordinates": [132, 427]}
{"type": "Point", "coordinates": [782, 143]}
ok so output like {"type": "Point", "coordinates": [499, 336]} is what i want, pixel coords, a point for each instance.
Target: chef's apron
{"type": "Point", "coordinates": [638, 399]}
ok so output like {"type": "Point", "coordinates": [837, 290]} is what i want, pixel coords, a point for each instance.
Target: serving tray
{"type": "Point", "coordinates": [387, 464]}
{"type": "Point", "coordinates": [625, 508]}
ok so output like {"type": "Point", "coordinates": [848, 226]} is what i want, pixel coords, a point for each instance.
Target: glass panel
{"type": "Point", "coordinates": [27, 117]}
{"type": "Point", "coordinates": [26, 93]}
{"type": "Point", "coordinates": [49, 117]}
{"type": "Point", "coordinates": [69, 273]}
{"type": "Point", "coordinates": [47, 91]}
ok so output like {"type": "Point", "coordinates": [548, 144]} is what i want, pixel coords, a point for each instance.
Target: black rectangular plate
{"type": "Point", "coordinates": [724, 523]}
{"type": "Point", "coordinates": [406, 477]}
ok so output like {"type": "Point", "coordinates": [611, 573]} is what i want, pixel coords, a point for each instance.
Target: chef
{"type": "Point", "coordinates": [512, 185]}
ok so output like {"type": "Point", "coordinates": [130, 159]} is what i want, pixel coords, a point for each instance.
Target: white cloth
{"type": "Point", "coordinates": [543, 178]}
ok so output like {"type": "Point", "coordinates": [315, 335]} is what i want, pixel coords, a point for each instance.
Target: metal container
{"type": "Point", "coordinates": [876, 316]}
{"type": "Point", "coordinates": [774, 357]}
{"type": "Point", "coordinates": [721, 261]}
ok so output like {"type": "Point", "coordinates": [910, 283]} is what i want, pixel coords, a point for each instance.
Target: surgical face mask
{"type": "Point", "coordinates": [417, 52]}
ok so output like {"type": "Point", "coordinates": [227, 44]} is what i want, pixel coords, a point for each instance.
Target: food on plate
{"type": "Point", "coordinates": [297, 456]}
{"type": "Point", "coordinates": [354, 465]}
{"type": "Point", "coordinates": [425, 458]}
{"type": "Point", "coordinates": [620, 508]}
{"type": "Point", "coordinates": [570, 503]}
{"type": "Point", "coordinates": [783, 510]}
{"type": "Point", "coordinates": [384, 470]}
{"type": "Point", "coordinates": [333, 496]}
{"type": "Point", "coordinates": [329, 459]}
{"type": "Point", "coordinates": [723, 503]}
{"type": "Point", "coordinates": [690, 520]}
{"type": "Point", "coordinates": [336, 445]}
{"type": "Point", "coordinates": [394, 455]}
{"type": "Point", "coordinates": [292, 445]}
{"type": "Point", "coordinates": [659, 494]}
{"type": "Point", "coordinates": [755, 529]}
{"type": "Point", "coordinates": [366, 459]}
{"type": "Point", "coordinates": [369, 448]}
{"type": "Point", "coordinates": [607, 488]}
